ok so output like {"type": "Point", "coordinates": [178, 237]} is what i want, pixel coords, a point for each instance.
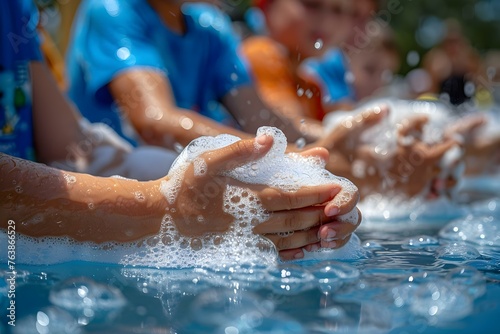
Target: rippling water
{"type": "Point", "coordinates": [443, 279]}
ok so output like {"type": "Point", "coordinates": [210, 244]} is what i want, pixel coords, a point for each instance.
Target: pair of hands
{"type": "Point", "coordinates": [411, 169]}
{"type": "Point", "coordinates": [311, 212]}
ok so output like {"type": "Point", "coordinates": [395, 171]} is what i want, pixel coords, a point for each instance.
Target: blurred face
{"type": "Point", "coordinates": [308, 27]}
{"type": "Point", "coordinates": [372, 71]}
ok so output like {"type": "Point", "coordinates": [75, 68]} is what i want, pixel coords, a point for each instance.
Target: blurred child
{"type": "Point", "coordinates": [298, 30]}
{"type": "Point", "coordinates": [452, 64]}
{"type": "Point", "coordinates": [345, 80]}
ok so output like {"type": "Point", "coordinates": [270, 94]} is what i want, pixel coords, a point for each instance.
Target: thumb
{"type": "Point", "coordinates": [353, 126]}
{"type": "Point", "coordinates": [413, 126]}
{"type": "Point", "coordinates": [237, 154]}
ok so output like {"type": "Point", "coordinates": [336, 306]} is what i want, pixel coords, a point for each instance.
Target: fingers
{"type": "Point", "coordinates": [413, 126]}
{"type": "Point", "coordinates": [277, 200]}
{"type": "Point", "coordinates": [465, 126]}
{"type": "Point", "coordinates": [292, 220]}
{"type": "Point", "coordinates": [344, 202]}
{"type": "Point", "coordinates": [352, 126]}
{"type": "Point", "coordinates": [291, 254]}
{"type": "Point", "coordinates": [333, 234]}
{"type": "Point", "coordinates": [296, 240]}
{"type": "Point", "coordinates": [437, 151]}
{"type": "Point", "coordinates": [237, 154]}
{"type": "Point", "coordinates": [330, 235]}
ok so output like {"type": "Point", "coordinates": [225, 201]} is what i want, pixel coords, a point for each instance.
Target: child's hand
{"type": "Point", "coordinates": [301, 212]}
{"type": "Point", "coordinates": [412, 168]}
{"type": "Point", "coordinates": [482, 154]}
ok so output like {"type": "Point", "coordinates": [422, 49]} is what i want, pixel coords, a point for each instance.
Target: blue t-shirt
{"type": "Point", "coordinates": [117, 35]}
{"type": "Point", "coordinates": [331, 72]}
{"type": "Point", "coordinates": [19, 46]}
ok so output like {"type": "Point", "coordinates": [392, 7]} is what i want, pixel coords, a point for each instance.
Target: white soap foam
{"type": "Point", "coordinates": [400, 213]}
{"type": "Point", "coordinates": [239, 244]}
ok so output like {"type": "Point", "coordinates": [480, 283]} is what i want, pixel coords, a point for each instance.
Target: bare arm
{"type": "Point", "coordinates": [251, 112]}
{"type": "Point", "coordinates": [147, 99]}
{"type": "Point", "coordinates": [48, 202]}
{"type": "Point", "coordinates": [55, 120]}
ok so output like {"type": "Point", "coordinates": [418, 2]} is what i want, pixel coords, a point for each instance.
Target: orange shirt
{"type": "Point", "coordinates": [278, 84]}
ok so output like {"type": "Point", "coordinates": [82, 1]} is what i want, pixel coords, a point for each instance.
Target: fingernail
{"type": "Point", "coordinates": [313, 248]}
{"type": "Point", "coordinates": [331, 234]}
{"type": "Point", "coordinates": [299, 255]}
{"type": "Point", "coordinates": [261, 139]}
{"type": "Point", "coordinates": [335, 191]}
{"type": "Point", "coordinates": [332, 210]}
{"type": "Point", "coordinates": [331, 244]}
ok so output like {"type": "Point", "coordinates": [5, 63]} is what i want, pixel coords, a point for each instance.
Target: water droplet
{"type": "Point", "coordinates": [196, 244]}
{"type": "Point", "coordinates": [318, 45]}
{"type": "Point", "coordinates": [139, 196]}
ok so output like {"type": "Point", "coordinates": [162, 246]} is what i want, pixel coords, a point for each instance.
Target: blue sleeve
{"type": "Point", "coordinates": [331, 72]}
{"type": "Point", "coordinates": [19, 33]}
{"type": "Point", "coordinates": [229, 67]}
{"type": "Point", "coordinates": [111, 39]}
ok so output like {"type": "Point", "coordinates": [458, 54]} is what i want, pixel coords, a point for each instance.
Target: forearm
{"type": "Point", "coordinates": [180, 126]}
{"type": "Point", "coordinates": [48, 202]}
{"type": "Point", "coordinates": [253, 112]}
{"type": "Point", "coordinates": [146, 98]}
{"type": "Point", "coordinates": [54, 117]}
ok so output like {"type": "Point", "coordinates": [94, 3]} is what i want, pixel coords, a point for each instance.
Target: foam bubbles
{"type": "Point", "coordinates": [48, 320]}
{"type": "Point", "coordinates": [332, 275]}
{"type": "Point", "coordinates": [70, 179]}
{"type": "Point", "coordinates": [287, 172]}
{"type": "Point", "coordinates": [384, 137]}
{"type": "Point", "coordinates": [290, 279]}
{"type": "Point", "coordinates": [478, 230]}
{"type": "Point", "coordinates": [400, 213]}
{"type": "Point", "coordinates": [200, 167]}
{"type": "Point", "coordinates": [419, 242]}
{"type": "Point", "coordinates": [83, 294]}
{"type": "Point", "coordinates": [457, 252]}
{"type": "Point", "coordinates": [439, 301]}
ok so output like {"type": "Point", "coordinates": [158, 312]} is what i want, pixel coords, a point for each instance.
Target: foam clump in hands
{"type": "Point", "coordinates": [410, 138]}
{"type": "Point", "coordinates": [287, 172]}
{"type": "Point", "coordinates": [277, 169]}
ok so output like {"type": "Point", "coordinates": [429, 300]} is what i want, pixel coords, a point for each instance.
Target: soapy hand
{"type": "Point", "coordinates": [411, 168]}
{"type": "Point", "coordinates": [308, 217]}
{"type": "Point", "coordinates": [482, 153]}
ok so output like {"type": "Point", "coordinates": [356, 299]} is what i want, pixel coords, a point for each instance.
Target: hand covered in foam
{"type": "Point", "coordinates": [222, 183]}
{"type": "Point", "coordinates": [479, 136]}
{"type": "Point", "coordinates": [398, 153]}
